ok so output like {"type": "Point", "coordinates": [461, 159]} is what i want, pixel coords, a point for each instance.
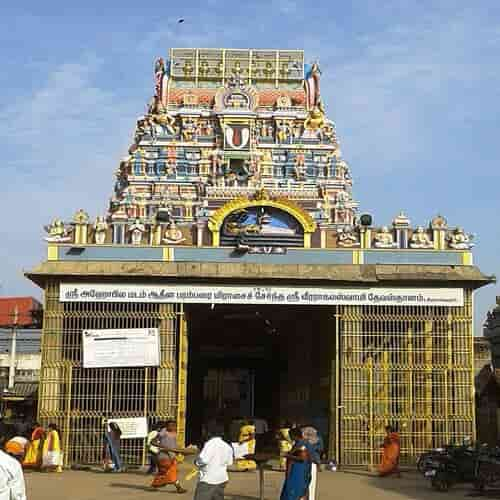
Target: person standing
{"type": "Point", "coordinates": [166, 441]}
{"type": "Point", "coordinates": [12, 485]}
{"type": "Point", "coordinates": [33, 458]}
{"type": "Point", "coordinates": [390, 453]}
{"type": "Point", "coordinates": [213, 461]}
{"type": "Point", "coordinates": [298, 471]}
{"type": "Point", "coordinates": [52, 453]}
{"type": "Point", "coordinates": [152, 449]}
{"type": "Point", "coordinates": [112, 436]}
{"type": "Point", "coordinates": [314, 444]}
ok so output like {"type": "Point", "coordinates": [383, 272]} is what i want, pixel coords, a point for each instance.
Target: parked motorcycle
{"type": "Point", "coordinates": [451, 465]}
{"type": "Point", "coordinates": [488, 469]}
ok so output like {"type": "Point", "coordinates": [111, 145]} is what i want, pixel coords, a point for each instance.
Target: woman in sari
{"type": "Point", "coordinates": [112, 458]}
{"type": "Point", "coordinates": [247, 437]}
{"type": "Point", "coordinates": [33, 458]}
{"type": "Point", "coordinates": [52, 453]}
{"type": "Point", "coordinates": [390, 453]}
{"type": "Point", "coordinates": [167, 458]}
{"type": "Point", "coordinates": [314, 444]}
{"type": "Point", "coordinates": [298, 475]}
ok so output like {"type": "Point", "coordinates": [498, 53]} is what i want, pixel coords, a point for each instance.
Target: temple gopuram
{"type": "Point", "coordinates": [234, 277]}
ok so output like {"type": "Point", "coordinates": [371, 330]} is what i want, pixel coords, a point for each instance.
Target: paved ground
{"type": "Point", "coordinates": [79, 485]}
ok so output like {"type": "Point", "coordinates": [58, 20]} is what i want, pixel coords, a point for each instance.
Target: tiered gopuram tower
{"type": "Point", "coordinates": [234, 205]}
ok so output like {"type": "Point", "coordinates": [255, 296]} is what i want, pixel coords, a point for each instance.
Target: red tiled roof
{"type": "Point", "coordinates": [24, 305]}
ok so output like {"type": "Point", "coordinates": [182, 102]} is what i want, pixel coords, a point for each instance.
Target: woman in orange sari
{"type": "Point", "coordinates": [33, 458]}
{"type": "Point", "coordinates": [390, 453]}
{"type": "Point", "coordinates": [167, 461]}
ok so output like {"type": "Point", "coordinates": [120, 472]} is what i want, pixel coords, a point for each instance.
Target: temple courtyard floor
{"type": "Point", "coordinates": [349, 485]}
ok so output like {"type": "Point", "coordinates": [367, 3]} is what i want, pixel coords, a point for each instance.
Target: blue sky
{"type": "Point", "coordinates": [413, 87]}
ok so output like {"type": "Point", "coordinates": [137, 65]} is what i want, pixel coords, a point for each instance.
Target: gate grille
{"type": "Point", "coordinates": [411, 367]}
{"type": "Point", "coordinates": [77, 399]}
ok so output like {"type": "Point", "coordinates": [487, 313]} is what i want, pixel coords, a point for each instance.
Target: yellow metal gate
{"type": "Point", "coordinates": [77, 399]}
{"type": "Point", "coordinates": [411, 367]}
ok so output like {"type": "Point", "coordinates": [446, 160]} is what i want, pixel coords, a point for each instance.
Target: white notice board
{"type": "Point", "coordinates": [134, 427]}
{"type": "Point", "coordinates": [121, 348]}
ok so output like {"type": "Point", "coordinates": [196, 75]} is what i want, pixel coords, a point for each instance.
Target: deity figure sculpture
{"type": "Point", "coordinates": [173, 234]}
{"type": "Point", "coordinates": [282, 132]}
{"type": "Point", "coordinates": [218, 166]}
{"type": "Point", "coordinates": [420, 239]}
{"type": "Point", "coordinates": [348, 238]}
{"type": "Point", "coordinates": [171, 169]}
{"type": "Point", "coordinates": [209, 129]}
{"type": "Point", "coordinates": [342, 197]}
{"type": "Point", "coordinates": [384, 239]}
{"type": "Point", "coordinates": [267, 156]}
{"type": "Point", "coordinates": [315, 121]}
{"type": "Point", "coordinates": [297, 130]}
{"type": "Point", "coordinates": [57, 232]}
{"type": "Point", "coordinates": [81, 217]}
{"type": "Point", "coordinates": [157, 113]}
{"type": "Point", "coordinates": [270, 130]}
{"type": "Point", "coordinates": [204, 68]}
{"type": "Point", "coordinates": [458, 240]}
{"type": "Point", "coordinates": [300, 166]}
{"type": "Point", "coordinates": [100, 229]}
{"type": "Point", "coordinates": [160, 74]}
{"type": "Point", "coordinates": [137, 229]}
{"type": "Point", "coordinates": [311, 84]}
{"type": "Point", "coordinates": [188, 129]}
{"type": "Point", "coordinates": [329, 133]}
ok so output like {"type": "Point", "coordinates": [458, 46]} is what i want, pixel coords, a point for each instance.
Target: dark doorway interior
{"type": "Point", "coordinates": [258, 362]}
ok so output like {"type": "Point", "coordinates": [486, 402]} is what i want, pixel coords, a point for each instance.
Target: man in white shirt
{"type": "Point", "coordinates": [11, 477]}
{"type": "Point", "coordinates": [213, 461]}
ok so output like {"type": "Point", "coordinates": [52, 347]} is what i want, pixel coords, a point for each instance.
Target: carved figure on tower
{"type": "Point", "coordinates": [157, 113]}
{"type": "Point", "coordinates": [137, 229]}
{"type": "Point", "coordinates": [458, 240]}
{"type": "Point", "coordinates": [420, 239]}
{"type": "Point", "coordinates": [384, 239]}
{"type": "Point", "coordinates": [218, 165]}
{"type": "Point", "coordinates": [58, 232]}
{"type": "Point", "coordinates": [311, 84]}
{"type": "Point", "coordinates": [161, 77]}
{"type": "Point", "coordinates": [173, 234]}
{"type": "Point", "coordinates": [348, 238]}
{"type": "Point", "coordinates": [189, 128]}
{"type": "Point", "coordinates": [100, 229]}
{"type": "Point", "coordinates": [300, 166]}
{"type": "Point", "coordinates": [283, 132]}
{"type": "Point", "coordinates": [315, 121]}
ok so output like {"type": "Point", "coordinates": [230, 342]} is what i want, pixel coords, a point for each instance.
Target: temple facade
{"type": "Point", "coordinates": [233, 230]}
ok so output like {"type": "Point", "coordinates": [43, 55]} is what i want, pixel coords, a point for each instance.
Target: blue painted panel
{"type": "Point", "coordinates": [126, 253]}
{"type": "Point", "coordinates": [291, 257]}
{"type": "Point", "coordinates": [412, 257]}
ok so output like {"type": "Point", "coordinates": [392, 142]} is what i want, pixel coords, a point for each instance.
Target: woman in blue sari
{"type": "Point", "coordinates": [112, 458]}
{"type": "Point", "coordinates": [298, 473]}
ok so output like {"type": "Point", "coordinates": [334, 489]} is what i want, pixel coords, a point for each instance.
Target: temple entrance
{"type": "Point", "coordinates": [271, 364]}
